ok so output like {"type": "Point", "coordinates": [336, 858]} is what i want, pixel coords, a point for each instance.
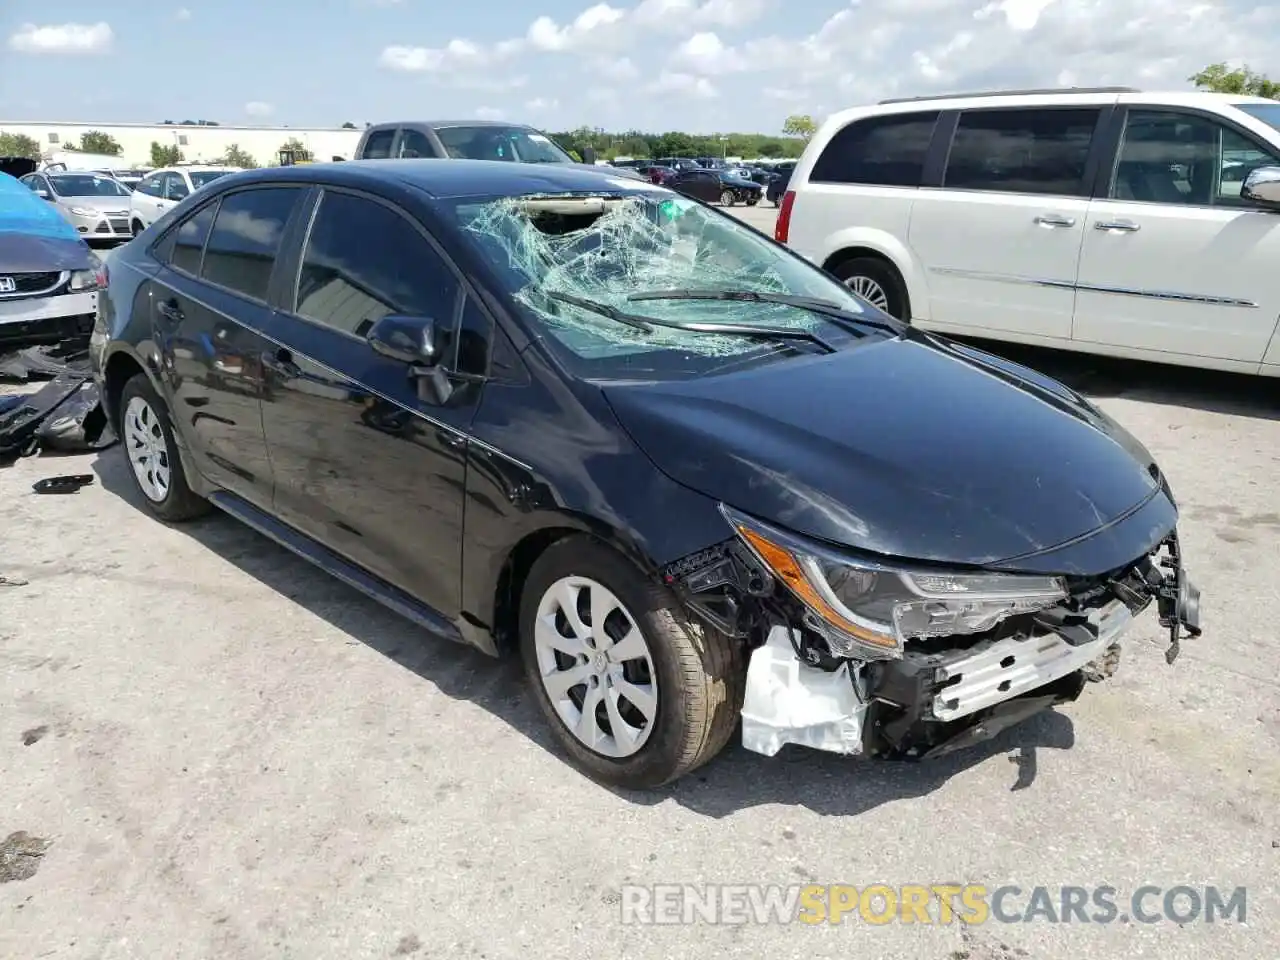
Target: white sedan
{"type": "Point", "coordinates": [161, 189]}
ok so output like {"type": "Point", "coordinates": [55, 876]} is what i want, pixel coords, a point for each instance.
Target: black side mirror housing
{"type": "Point", "coordinates": [414, 341]}
{"type": "Point", "coordinates": [589, 155]}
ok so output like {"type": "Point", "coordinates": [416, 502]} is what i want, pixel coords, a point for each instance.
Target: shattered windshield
{"type": "Point", "coordinates": [602, 251]}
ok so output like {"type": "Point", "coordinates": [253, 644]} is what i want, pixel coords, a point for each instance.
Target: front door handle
{"type": "Point", "coordinates": [1119, 226]}
{"type": "Point", "coordinates": [280, 362]}
{"type": "Point", "coordinates": [170, 310]}
{"type": "Point", "coordinates": [1055, 220]}
{"type": "Point", "coordinates": [454, 441]}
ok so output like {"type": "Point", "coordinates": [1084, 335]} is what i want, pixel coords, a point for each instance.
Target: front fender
{"type": "Point", "coordinates": [843, 243]}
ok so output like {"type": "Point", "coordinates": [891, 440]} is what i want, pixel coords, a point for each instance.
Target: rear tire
{"type": "Point", "coordinates": [688, 677]}
{"type": "Point", "coordinates": [146, 433]}
{"type": "Point", "coordinates": [876, 282]}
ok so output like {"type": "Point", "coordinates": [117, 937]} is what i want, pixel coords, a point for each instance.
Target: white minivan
{"type": "Point", "coordinates": [1105, 220]}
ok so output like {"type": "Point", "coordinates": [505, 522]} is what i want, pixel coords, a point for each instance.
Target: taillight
{"type": "Point", "coordinates": [783, 227]}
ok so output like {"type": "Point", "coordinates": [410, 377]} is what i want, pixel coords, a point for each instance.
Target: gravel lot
{"type": "Point", "coordinates": [233, 756]}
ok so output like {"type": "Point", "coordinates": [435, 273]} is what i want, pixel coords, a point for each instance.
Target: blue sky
{"type": "Point", "coordinates": [698, 65]}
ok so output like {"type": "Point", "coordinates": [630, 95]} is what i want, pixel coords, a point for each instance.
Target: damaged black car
{"type": "Point", "coordinates": [693, 481]}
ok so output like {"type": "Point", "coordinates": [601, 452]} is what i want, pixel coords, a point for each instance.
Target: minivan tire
{"type": "Point", "coordinates": [178, 502]}
{"type": "Point", "coordinates": [884, 276]}
{"type": "Point", "coordinates": [699, 673]}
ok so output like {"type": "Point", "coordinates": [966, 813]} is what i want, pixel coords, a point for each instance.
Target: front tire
{"type": "Point", "coordinates": [635, 691]}
{"type": "Point", "coordinates": [154, 463]}
{"type": "Point", "coordinates": [726, 198]}
{"type": "Point", "coordinates": [136, 226]}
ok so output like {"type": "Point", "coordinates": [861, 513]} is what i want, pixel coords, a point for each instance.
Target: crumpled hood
{"type": "Point", "coordinates": [911, 448]}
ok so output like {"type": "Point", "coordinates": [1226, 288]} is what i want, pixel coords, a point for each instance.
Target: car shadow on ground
{"type": "Point", "coordinates": [737, 779]}
{"type": "Point", "coordinates": [1237, 394]}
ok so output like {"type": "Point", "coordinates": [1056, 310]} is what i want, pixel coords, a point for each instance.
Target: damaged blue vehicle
{"type": "Point", "coordinates": [693, 481]}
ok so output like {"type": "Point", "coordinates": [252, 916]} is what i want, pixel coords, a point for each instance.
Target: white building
{"type": "Point", "coordinates": [197, 143]}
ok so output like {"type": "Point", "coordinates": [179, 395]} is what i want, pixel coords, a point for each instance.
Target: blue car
{"type": "Point", "coordinates": [49, 278]}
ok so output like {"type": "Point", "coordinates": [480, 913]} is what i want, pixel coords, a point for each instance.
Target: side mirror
{"type": "Point", "coordinates": [1262, 187]}
{"type": "Point", "coordinates": [43, 194]}
{"type": "Point", "coordinates": [414, 341]}
{"type": "Point", "coordinates": [589, 155]}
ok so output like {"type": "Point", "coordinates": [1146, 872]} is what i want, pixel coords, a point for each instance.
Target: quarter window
{"type": "Point", "coordinates": [246, 238]}
{"type": "Point", "coordinates": [1022, 151]}
{"type": "Point", "coordinates": [189, 238]}
{"type": "Point", "coordinates": [884, 151]}
{"type": "Point", "coordinates": [378, 146]}
{"type": "Point", "coordinates": [364, 261]}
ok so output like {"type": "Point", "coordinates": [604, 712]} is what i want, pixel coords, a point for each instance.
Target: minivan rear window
{"type": "Point", "coordinates": [886, 151]}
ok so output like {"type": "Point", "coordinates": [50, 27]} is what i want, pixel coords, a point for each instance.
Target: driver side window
{"type": "Point", "coordinates": [150, 185]}
{"type": "Point", "coordinates": [175, 188]}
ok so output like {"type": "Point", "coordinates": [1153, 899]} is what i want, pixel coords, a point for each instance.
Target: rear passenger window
{"type": "Point", "coordinates": [364, 261]}
{"type": "Point", "coordinates": [1022, 151]}
{"type": "Point", "coordinates": [883, 151]}
{"type": "Point", "coordinates": [189, 238]}
{"type": "Point", "coordinates": [414, 143]}
{"type": "Point", "coordinates": [378, 146]}
{"type": "Point", "coordinates": [246, 237]}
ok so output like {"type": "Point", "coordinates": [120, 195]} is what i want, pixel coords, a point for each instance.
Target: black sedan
{"type": "Point", "coordinates": [778, 185]}
{"type": "Point", "coordinates": [685, 474]}
{"type": "Point", "coordinates": [716, 186]}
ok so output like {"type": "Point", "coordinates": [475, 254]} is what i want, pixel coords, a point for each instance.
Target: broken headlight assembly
{"type": "Point", "coordinates": [868, 609]}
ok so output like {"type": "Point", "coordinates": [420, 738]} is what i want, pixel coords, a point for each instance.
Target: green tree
{"type": "Point", "coordinates": [294, 145]}
{"type": "Point", "coordinates": [348, 125]}
{"type": "Point", "coordinates": [770, 149]}
{"type": "Point", "coordinates": [162, 156]}
{"type": "Point", "coordinates": [799, 125]}
{"type": "Point", "coordinates": [234, 156]}
{"type": "Point", "coordinates": [95, 141]}
{"type": "Point", "coordinates": [1218, 78]}
{"type": "Point", "coordinates": [19, 145]}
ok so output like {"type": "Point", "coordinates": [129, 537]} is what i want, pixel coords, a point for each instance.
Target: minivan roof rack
{"type": "Point", "coordinates": [1010, 93]}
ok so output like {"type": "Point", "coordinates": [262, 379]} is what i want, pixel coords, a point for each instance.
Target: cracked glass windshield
{"type": "Point", "coordinates": [572, 260]}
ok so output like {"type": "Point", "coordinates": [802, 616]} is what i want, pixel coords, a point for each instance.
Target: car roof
{"type": "Point", "coordinates": [454, 178]}
{"type": "Point", "coordinates": [499, 124]}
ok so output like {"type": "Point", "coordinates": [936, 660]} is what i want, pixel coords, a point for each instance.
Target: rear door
{"type": "Point", "coordinates": [144, 205]}
{"type": "Point", "coordinates": [1000, 239]}
{"type": "Point", "coordinates": [1174, 260]}
{"type": "Point", "coordinates": [362, 463]}
{"type": "Point", "coordinates": [378, 144]}
{"type": "Point", "coordinates": [211, 316]}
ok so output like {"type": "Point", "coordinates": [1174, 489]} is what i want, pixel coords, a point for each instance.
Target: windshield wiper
{"type": "Point", "coordinates": [846, 319]}
{"type": "Point", "coordinates": [729, 329]}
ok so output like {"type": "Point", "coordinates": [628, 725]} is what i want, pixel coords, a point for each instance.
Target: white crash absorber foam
{"type": "Point", "coordinates": [788, 701]}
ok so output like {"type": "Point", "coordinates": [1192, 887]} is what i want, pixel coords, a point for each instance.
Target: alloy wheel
{"type": "Point", "coordinates": [595, 667]}
{"type": "Point", "coordinates": [726, 198]}
{"type": "Point", "coordinates": [869, 291]}
{"type": "Point", "coordinates": [148, 450]}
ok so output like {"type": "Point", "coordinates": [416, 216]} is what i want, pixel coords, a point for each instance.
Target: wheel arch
{"type": "Point", "coordinates": [860, 242]}
{"type": "Point", "coordinates": [119, 368]}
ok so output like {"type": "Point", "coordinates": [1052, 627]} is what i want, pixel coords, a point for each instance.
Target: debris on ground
{"type": "Point", "coordinates": [64, 415]}
{"type": "Point", "coordinates": [71, 483]}
{"type": "Point", "coordinates": [13, 581]}
{"type": "Point", "coordinates": [20, 856]}
{"type": "Point", "coordinates": [34, 735]}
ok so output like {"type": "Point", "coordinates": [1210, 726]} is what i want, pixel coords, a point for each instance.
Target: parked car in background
{"type": "Point", "coordinates": [679, 163]}
{"type": "Point", "coordinates": [657, 173]}
{"type": "Point", "coordinates": [716, 186]}
{"type": "Point", "coordinates": [470, 140]}
{"type": "Point", "coordinates": [96, 204]}
{"type": "Point", "coordinates": [49, 278]}
{"type": "Point", "coordinates": [777, 186]}
{"type": "Point", "coordinates": [161, 189]}
{"type": "Point", "coordinates": [130, 177]}
{"type": "Point", "coordinates": [1111, 221]}
{"type": "Point", "coordinates": [640, 476]}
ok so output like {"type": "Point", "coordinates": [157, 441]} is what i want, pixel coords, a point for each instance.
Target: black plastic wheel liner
{"type": "Point", "coordinates": [64, 414]}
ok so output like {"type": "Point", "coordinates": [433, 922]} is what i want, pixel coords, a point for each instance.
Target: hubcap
{"type": "Point", "coordinates": [148, 452]}
{"type": "Point", "coordinates": [869, 291]}
{"type": "Point", "coordinates": [595, 667]}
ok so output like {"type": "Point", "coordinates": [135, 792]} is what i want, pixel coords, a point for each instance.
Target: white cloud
{"type": "Point", "coordinates": [64, 38]}
{"type": "Point", "coordinates": [545, 34]}
{"type": "Point", "coordinates": [687, 83]}
{"type": "Point", "coordinates": [705, 53]}
{"type": "Point", "coordinates": [257, 108]}
{"type": "Point", "coordinates": [621, 69]}
{"type": "Point", "coordinates": [182, 14]}
{"type": "Point", "coordinates": [490, 113]}
{"type": "Point", "coordinates": [541, 104]}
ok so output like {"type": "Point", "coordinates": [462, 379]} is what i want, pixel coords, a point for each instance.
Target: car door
{"type": "Point", "coordinates": [173, 190]}
{"type": "Point", "coordinates": [362, 463]}
{"type": "Point", "coordinates": [211, 312]}
{"type": "Point", "coordinates": [144, 204]}
{"type": "Point", "coordinates": [999, 241]}
{"type": "Point", "coordinates": [1173, 259]}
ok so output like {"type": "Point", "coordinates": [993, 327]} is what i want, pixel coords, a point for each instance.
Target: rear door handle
{"type": "Point", "coordinates": [170, 310]}
{"type": "Point", "coordinates": [1120, 226]}
{"type": "Point", "coordinates": [1055, 220]}
{"type": "Point", "coordinates": [280, 362]}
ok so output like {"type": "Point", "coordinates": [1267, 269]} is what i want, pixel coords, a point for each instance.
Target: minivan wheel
{"type": "Point", "coordinates": [153, 454]}
{"type": "Point", "coordinates": [636, 692]}
{"type": "Point", "coordinates": [876, 282]}
{"type": "Point", "coordinates": [726, 198]}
